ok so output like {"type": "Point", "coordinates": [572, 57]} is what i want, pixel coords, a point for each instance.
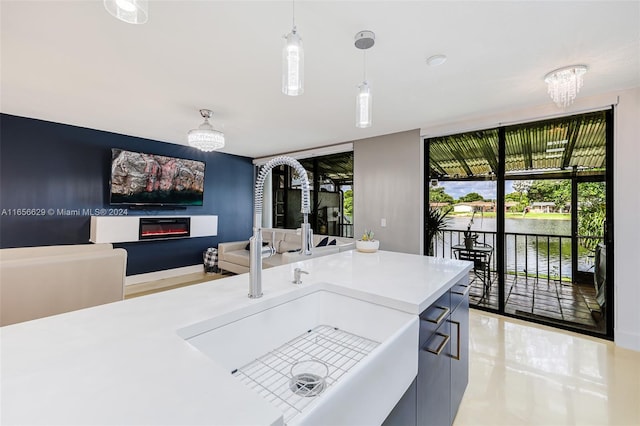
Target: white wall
{"type": "Point", "coordinates": [626, 206]}
{"type": "Point", "coordinates": [387, 184]}
{"type": "Point", "coordinates": [626, 194]}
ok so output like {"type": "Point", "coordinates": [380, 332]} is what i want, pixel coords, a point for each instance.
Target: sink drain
{"type": "Point", "coordinates": [307, 384]}
{"type": "Point", "coordinates": [308, 377]}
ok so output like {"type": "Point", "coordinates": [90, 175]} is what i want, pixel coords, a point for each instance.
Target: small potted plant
{"type": "Point", "coordinates": [367, 244]}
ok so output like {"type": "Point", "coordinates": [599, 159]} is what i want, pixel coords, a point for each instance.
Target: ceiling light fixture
{"type": "Point", "coordinates": [565, 83]}
{"type": "Point", "coordinates": [293, 61]}
{"type": "Point", "coordinates": [364, 98]}
{"type": "Point", "coordinates": [435, 60]}
{"type": "Point", "coordinates": [129, 11]}
{"type": "Point", "coordinates": [205, 137]}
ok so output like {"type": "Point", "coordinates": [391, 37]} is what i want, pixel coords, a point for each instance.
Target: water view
{"type": "Point", "coordinates": [535, 247]}
{"type": "Point", "coordinates": [512, 225]}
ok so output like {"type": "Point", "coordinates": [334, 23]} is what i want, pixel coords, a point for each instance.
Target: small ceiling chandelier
{"type": "Point", "coordinates": [205, 137]}
{"type": "Point", "coordinates": [565, 83]}
{"type": "Point", "coordinates": [129, 11]}
{"type": "Point", "coordinates": [293, 62]}
{"type": "Point", "coordinates": [364, 41]}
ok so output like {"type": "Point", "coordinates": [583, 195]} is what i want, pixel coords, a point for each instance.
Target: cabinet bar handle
{"type": "Point", "coordinates": [440, 346]}
{"type": "Point", "coordinates": [458, 345]}
{"type": "Point", "coordinates": [444, 313]}
{"type": "Point", "coordinates": [465, 291]}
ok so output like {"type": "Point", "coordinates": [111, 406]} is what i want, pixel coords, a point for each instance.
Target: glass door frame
{"type": "Point", "coordinates": [500, 225]}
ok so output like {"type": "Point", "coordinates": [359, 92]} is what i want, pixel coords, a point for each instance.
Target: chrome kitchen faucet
{"type": "Point", "coordinates": [256, 251]}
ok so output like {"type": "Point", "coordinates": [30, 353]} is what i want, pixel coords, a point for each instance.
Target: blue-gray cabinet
{"type": "Point", "coordinates": [443, 363]}
{"type": "Point", "coordinates": [459, 322]}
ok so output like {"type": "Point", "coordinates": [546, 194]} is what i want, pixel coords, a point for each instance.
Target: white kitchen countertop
{"type": "Point", "coordinates": [124, 363]}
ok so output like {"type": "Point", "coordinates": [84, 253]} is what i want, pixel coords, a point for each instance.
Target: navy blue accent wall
{"type": "Point", "coordinates": [45, 165]}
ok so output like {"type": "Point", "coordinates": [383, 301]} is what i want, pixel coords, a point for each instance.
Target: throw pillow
{"type": "Point", "coordinates": [332, 243]}
{"type": "Point", "coordinates": [323, 242]}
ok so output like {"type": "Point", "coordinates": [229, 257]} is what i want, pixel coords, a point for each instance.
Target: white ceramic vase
{"type": "Point", "coordinates": [367, 246]}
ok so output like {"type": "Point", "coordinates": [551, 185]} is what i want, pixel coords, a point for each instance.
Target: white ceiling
{"type": "Point", "coordinates": [72, 62]}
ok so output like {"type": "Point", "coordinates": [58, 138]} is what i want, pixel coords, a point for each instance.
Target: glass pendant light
{"type": "Point", "coordinates": [364, 98]}
{"type": "Point", "coordinates": [129, 11]}
{"type": "Point", "coordinates": [363, 105]}
{"type": "Point", "coordinates": [293, 63]}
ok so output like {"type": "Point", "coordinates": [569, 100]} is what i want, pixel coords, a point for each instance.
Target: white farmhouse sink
{"type": "Point", "coordinates": [364, 394]}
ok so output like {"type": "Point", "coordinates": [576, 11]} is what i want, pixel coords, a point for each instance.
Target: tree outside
{"type": "Point", "coordinates": [437, 195]}
{"type": "Point", "coordinates": [348, 203]}
{"type": "Point", "coordinates": [592, 212]}
{"type": "Point", "coordinates": [471, 197]}
{"type": "Point", "coordinates": [556, 191]}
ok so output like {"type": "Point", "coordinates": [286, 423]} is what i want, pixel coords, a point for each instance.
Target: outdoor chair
{"type": "Point", "coordinates": [480, 255]}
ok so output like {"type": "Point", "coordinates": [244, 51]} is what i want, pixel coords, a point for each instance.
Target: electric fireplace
{"type": "Point", "coordinates": [164, 228]}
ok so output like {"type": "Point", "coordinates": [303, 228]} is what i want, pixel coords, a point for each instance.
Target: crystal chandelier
{"type": "Point", "coordinates": [129, 11]}
{"type": "Point", "coordinates": [364, 99]}
{"type": "Point", "coordinates": [565, 83]}
{"type": "Point", "coordinates": [205, 137]}
{"type": "Point", "coordinates": [293, 62]}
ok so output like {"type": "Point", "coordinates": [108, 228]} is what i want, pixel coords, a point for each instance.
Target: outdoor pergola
{"type": "Point", "coordinates": [553, 146]}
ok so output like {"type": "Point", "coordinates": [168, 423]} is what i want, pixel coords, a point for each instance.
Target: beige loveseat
{"type": "Point", "coordinates": [234, 257]}
{"type": "Point", "coordinates": [36, 282]}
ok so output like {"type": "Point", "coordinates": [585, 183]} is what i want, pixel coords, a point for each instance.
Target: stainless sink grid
{"type": "Point", "coordinates": [270, 375]}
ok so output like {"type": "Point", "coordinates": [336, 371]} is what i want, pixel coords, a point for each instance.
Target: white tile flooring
{"type": "Point", "coordinates": [526, 374]}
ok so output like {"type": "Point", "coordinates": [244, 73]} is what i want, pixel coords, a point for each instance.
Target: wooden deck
{"type": "Point", "coordinates": [556, 302]}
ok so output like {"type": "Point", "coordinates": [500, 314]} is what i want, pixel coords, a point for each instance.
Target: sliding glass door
{"type": "Point", "coordinates": [536, 197]}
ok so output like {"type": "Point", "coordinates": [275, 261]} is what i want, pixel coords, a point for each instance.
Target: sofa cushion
{"type": "Point", "coordinates": [272, 236]}
{"type": "Point", "coordinates": [275, 260]}
{"type": "Point", "coordinates": [239, 257]}
{"type": "Point", "coordinates": [286, 246]}
{"type": "Point", "coordinates": [291, 236]}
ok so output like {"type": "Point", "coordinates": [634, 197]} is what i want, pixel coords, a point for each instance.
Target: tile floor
{"type": "Point", "coordinates": [526, 374]}
{"type": "Point", "coordinates": [563, 303]}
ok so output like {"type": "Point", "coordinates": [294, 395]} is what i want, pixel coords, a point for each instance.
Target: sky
{"type": "Point", "coordinates": [485, 188]}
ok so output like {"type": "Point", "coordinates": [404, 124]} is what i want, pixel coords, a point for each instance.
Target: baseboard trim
{"type": "Point", "coordinates": [159, 275]}
{"type": "Point", "coordinates": [627, 340]}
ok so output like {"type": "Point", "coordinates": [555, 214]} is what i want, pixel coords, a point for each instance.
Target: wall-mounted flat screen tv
{"type": "Point", "coordinates": [155, 180]}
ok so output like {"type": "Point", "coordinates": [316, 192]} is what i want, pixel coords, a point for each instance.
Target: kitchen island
{"type": "Point", "coordinates": [125, 362]}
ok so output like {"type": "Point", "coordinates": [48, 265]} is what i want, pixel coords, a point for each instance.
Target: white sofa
{"type": "Point", "coordinates": [36, 282]}
{"type": "Point", "coordinates": [234, 256]}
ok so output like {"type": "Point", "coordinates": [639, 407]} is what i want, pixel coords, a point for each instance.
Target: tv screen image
{"type": "Point", "coordinates": [148, 179]}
